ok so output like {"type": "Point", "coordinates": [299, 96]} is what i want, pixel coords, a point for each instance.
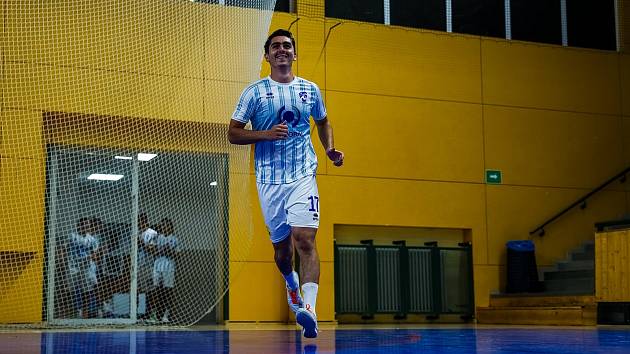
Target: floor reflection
{"type": "Point", "coordinates": [609, 340]}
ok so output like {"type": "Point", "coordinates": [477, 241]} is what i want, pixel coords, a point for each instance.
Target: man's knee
{"type": "Point", "coordinates": [283, 251]}
{"type": "Point", "coordinates": [283, 255]}
{"type": "Point", "coordinates": [304, 239]}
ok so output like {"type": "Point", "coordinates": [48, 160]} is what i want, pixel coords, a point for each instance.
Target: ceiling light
{"type": "Point", "coordinates": [105, 177]}
{"type": "Point", "coordinates": [214, 183]}
{"type": "Point", "coordinates": [146, 157]}
{"type": "Point", "coordinates": [123, 157]}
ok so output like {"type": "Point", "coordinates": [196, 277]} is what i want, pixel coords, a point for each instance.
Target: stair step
{"type": "Point", "coordinates": [570, 274]}
{"type": "Point", "coordinates": [589, 246]}
{"type": "Point", "coordinates": [540, 300]}
{"type": "Point", "coordinates": [583, 256]}
{"type": "Point", "coordinates": [574, 285]}
{"type": "Point", "coordinates": [588, 292]}
{"type": "Point", "coordinates": [576, 265]}
{"type": "Point", "coordinates": [554, 316]}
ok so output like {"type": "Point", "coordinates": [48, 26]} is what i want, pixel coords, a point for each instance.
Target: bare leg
{"type": "Point", "coordinates": [284, 255]}
{"type": "Point", "coordinates": [304, 238]}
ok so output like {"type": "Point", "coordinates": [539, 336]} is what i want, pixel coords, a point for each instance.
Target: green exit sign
{"type": "Point", "coordinates": [493, 176]}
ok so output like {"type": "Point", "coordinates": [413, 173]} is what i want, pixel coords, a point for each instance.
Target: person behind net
{"type": "Point", "coordinates": [279, 108]}
{"type": "Point", "coordinates": [112, 267]}
{"type": "Point", "coordinates": [167, 246]}
{"type": "Point", "coordinates": [82, 248]}
{"type": "Point", "coordinates": [97, 263]}
{"type": "Point", "coordinates": [147, 238]}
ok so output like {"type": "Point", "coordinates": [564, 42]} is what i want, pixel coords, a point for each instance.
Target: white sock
{"type": "Point", "coordinates": [292, 279]}
{"type": "Point", "coordinates": [309, 292]}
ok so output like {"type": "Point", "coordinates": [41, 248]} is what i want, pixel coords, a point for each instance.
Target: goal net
{"type": "Point", "coordinates": [122, 201]}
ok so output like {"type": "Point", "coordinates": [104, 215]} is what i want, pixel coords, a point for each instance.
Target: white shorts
{"type": "Point", "coordinates": [164, 274]}
{"type": "Point", "coordinates": [145, 274]}
{"type": "Point", "coordinates": [294, 204]}
{"type": "Point", "coordinates": [166, 278]}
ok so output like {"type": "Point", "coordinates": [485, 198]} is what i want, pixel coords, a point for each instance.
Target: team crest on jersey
{"type": "Point", "coordinates": [290, 116]}
{"type": "Point", "coordinates": [303, 95]}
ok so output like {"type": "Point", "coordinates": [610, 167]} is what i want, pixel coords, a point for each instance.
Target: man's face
{"type": "Point", "coordinates": [167, 229]}
{"type": "Point", "coordinates": [143, 223]}
{"type": "Point", "coordinates": [84, 227]}
{"type": "Point", "coordinates": [281, 52]}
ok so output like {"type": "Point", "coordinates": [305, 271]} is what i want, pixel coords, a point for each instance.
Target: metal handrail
{"type": "Point", "coordinates": [581, 202]}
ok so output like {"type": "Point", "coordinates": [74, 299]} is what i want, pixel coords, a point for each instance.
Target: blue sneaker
{"type": "Point", "coordinates": [294, 299]}
{"type": "Point", "coordinates": [308, 321]}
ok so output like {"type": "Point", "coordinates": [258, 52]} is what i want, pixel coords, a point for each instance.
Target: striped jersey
{"type": "Point", "coordinates": [164, 261]}
{"type": "Point", "coordinates": [80, 263]}
{"type": "Point", "coordinates": [147, 237]}
{"type": "Point", "coordinates": [266, 103]}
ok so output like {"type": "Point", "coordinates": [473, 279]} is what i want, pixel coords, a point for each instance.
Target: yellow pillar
{"type": "Point", "coordinates": [22, 187]}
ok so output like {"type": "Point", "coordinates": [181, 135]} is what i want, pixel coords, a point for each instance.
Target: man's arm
{"type": "Point", "coordinates": [237, 134]}
{"type": "Point", "coordinates": [173, 248]}
{"type": "Point", "coordinates": [325, 132]}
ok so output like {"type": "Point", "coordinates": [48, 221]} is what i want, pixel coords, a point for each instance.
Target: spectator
{"type": "Point", "coordinates": [82, 252]}
{"type": "Point", "coordinates": [147, 237]}
{"type": "Point", "coordinates": [164, 269]}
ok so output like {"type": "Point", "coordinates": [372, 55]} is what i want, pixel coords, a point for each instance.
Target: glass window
{"type": "Point", "coordinates": [591, 24]}
{"type": "Point", "coordinates": [254, 4]}
{"type": "Point", "coordinates": [536, 21]}
{"type": "Point", "coordinates": [358, 10]}
{"type": "Point", "coordinates": [479, 17]}
{"type": "Point", "coordinates": [283, 6]}
{"type": "Point", "coordinates": [429, 14]}
{"type": "Point", "coordinates": [90, 212]}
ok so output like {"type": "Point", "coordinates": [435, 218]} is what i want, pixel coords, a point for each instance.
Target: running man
{"type": "Point", "coordinates": [279, 108]}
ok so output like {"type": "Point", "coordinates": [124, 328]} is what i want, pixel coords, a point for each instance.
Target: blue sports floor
{"type": "Point", "coordinates": [284, 340]}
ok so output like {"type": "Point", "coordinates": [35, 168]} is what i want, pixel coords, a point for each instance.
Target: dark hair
{"type": "Point", "coordinates": [166, 222]}
{"type": "Point", "coordinates": [278, 33]}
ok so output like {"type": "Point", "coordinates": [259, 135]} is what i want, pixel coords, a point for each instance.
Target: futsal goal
{"type": "Point", "coordinates": [122, 201]}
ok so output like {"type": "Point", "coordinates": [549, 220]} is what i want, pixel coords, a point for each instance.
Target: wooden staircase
{"type": "Point", "coordinates": [543, 309]}
{"type": "Point", "coordinates": [569, 299]}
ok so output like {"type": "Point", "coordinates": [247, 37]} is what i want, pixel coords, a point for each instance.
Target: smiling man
{"type": "Point", "coordinates": [279, 108]}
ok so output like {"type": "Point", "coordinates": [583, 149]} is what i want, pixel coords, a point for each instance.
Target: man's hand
{"type": "Point", "coordinates": [335, 156]}
{"type": "Point", "coordinates": [278, 132]}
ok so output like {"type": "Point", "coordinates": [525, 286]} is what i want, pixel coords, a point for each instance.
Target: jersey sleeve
{"type": "Point", "coordinates": [245, 107]}
{"type": "Point", "coordinates": [149, 237]}
{"type": "Point", "coordinates": [319, 110]}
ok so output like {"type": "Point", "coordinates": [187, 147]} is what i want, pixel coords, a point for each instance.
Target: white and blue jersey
{"type": "Point", "coordinates": [266, 103]}
{"type": "Point", "coordinates": [164, 267]}
{"type": "Point", "coordinates": [164, 261]}
{"type": "Point", "coordinates": [82, 268]}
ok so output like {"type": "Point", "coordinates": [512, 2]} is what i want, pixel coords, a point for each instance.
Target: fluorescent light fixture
{"type": "Point", "coordinates": [105, 177]}
{"type": "Point", "coordinates": [146, 157]}
{"type": "Point", "coordinates": [214, 183]}
{"type": "Point", "coordinates": [123, 157]}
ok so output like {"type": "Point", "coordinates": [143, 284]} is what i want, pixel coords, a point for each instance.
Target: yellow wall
{"type": "Point", "coordinates": [22, 188]}
{"type": "Point", "coordinates": [419, 114]}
